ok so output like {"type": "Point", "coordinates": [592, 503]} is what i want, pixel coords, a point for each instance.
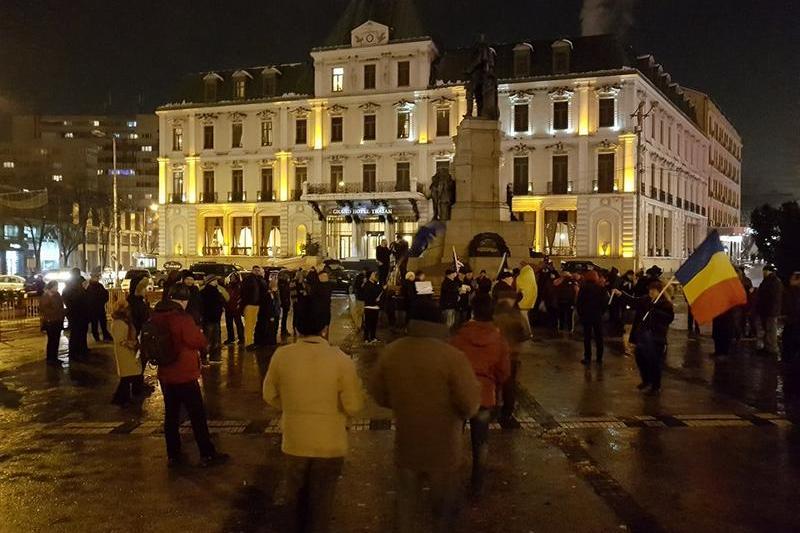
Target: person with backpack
{"type": "Point", "coordinates": [172, 341]}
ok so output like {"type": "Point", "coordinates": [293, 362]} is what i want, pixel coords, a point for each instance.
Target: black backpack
{"type": "Point", "coordinates": [156, 344]}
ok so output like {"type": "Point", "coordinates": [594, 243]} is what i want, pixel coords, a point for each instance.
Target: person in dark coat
{"type": "Point", "coordinates": [650, 330]}
{"type": "Point", "coordinates": [769, 300]}
{"type": "Point", "coordinates": [591, 304]}
{"type": "Point", "coordinates": [448, 297]}
{"type": "Point", "coordinates": [723, 330]}
{"type": "Point", "coordinates": [405, 300]}
{"type": "Point", "coordinates": [285, 292]}
{"type": "Point", "coordinates": [76, 301]}
{"type": "Point", "coordinates": [322, 291]}
{"type": "Point", "coordinates": [98, 298]}
{"type": "Point", "coordinates": [194, 306]}
{"type": "Point", "coordinates": [372, 295]}
{"type": "Point", "coordinates": [504, 289]}
{"type": "Point", "coordinates": [51, 315]}
{"type": "Point", "coordinates": [791, 324]}
{"type": "Point", "coordinates": [565, 289]}
{"type": "Point", "coordinates": [399, 249]}
{"type": "Point", "coordinates": [233, 310]}
{"type": "Point", "coordinates": [212, 304]}
{"type": "Point", "coordinates": [266, 317]}
{"type": "Point", "coordinates": [484, 283]}
{"type": "Point", "coordinates": [384, 257]}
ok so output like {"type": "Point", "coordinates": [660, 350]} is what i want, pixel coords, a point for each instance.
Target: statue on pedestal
{"type": "Point", "coordinates": [482, 86]}
{"type": "Point", "coordinates": [443, 194]}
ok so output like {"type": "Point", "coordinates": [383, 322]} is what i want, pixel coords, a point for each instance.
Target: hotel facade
{"type": "Point", "coordinates": [602, 154]}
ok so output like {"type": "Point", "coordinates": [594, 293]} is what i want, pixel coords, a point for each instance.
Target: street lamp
{"type": "Point", "coordinates": [115, 258]}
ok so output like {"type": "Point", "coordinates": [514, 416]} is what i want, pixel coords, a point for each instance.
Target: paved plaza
{"type": "Point", "coordinates": [717, 450]}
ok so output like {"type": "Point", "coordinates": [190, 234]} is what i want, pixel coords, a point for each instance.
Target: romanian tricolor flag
{"type": "Point", "coordinates": [710, 282]}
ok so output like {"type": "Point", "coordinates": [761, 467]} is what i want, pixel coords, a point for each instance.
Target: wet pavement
{"type": "Point", "coordinates": [717, 450]}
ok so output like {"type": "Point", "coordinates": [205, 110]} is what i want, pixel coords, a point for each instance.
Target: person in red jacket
{"type": "Point", "coordinates": [490, 356]}
{"type": "Point", "coordinates": [179, 380]}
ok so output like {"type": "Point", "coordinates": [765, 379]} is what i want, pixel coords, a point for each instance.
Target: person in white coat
{"type": "Point", "coordinates": [129, 368]}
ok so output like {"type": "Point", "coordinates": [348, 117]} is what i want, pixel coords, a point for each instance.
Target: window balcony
{"type": "Point", "coordinates": [662, 196]}
{"type": "Point", "coordinates": [241, 250]}
{"type": "Point", "coordinates": [653, 191]}
{"type": "Point", "coordinates": [269, 251]}
{"type": "Point", "coordinates": [267, 196]}
{"type": "Point", "coordinates": [563, 187]}
{"type": "Point", "coordinates": [703, 211]}
{"type": "Point", "coordinates": [212, 250]}
{"type": "Point", "coordinates": [669, 198]}
{"type": "Point", "coordinates": [521, 189]}
{"type": "Point", "coordinates": [208, 197]}
{"type": "Point", "coordinates": [237, 196]}
{"type": "Point", "coordinates": [650, 252]}
{"type": "Point", "coordinates": [177, 198]}
{"type": "Point", "coordinates": [679, 202]}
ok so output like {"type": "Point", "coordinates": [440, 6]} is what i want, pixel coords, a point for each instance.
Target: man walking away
{"type": "Point", "coordinates": [514, 329]}
{"type": "Point", "coordinates": [432, 389]}
{"type": "Point", "coordinates": [212, 303]}
{"type": "Point", "coordinates": [591, 304]}
{"type": "Point", "coordinates": [51, 314]}
{"type": "Point", "coordinates": [769, 299]}
{"type": "Point", "coordinates": [77, 302]}
{"type": "Point", "coordinates": [233, 310]}
{"type": "Point", "coordinates": [315, 408]}
{"type": "Point", "coordinates": [285, 291]}
{"type": "Point", "coordinates": [654, 314]}
{"type": "Point", "coordinates": [251, 297]}
{"type": "Point", "coordinates": [489, 354]}
{"type": "Point", "coordinates": [98, 298]}
{"type": "Point", "coordinates": [384, 257]}
{"type": "Point", "coordinates": [372, 294]}
{"type": "Point", "coordinates": [179, 379]}
{"type": "Point", "coordinates": [791, 328]}
{"type": "Point", "coordinates": [448, 297]}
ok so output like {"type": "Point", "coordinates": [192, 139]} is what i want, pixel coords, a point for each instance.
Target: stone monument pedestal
{"type": "Point", "coordinates": [480, 206]}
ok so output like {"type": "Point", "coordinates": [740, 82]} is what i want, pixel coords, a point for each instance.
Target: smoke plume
{"type": "Point", "coordinates": [606, 16]}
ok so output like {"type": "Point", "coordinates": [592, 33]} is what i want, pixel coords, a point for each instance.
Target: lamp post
{"type": "Point", "coordinates": [115, 257]}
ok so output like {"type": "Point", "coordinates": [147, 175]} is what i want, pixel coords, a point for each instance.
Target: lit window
{"type": "Point", "coordinates": [57, 177]}
{"type": "Point", "coordinates": [100, 172]}
{"type": "Point", "coordinates": [8, 164]}
{"type": "Point", "coordinates": [236, 135]}
{"type": "Point", "coordinates": [133, 136]}
{"type": "Point", "coordinates": [266, 133]}
{"type": "Point", "coordinates": [238, 88]}
{"type": "Point", "coordinates": [95, 123]}
{"type": "Point", "coordinates": [337, 79]}
{"type": "Point", "coordinates": [403, 124]}
{"type": "Point", "coordinates": [131, 123]}
{"type": "Point", "coordinates": [177, 139]}
{"type": "Point", "coordinates": [43, 151]}
{"type": "Point", "coordinates": [68, 123]}
{"type": "Point", "coordinates": [147, 148]}
{"type": "Point", "coordinates": [69, 135]}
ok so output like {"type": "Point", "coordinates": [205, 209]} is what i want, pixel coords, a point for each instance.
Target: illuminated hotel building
{"type": "Point", "coordinates": [342, 148]}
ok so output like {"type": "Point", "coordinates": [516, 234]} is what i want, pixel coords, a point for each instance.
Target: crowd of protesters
{"type": "Point", "coordinates": [455, 359]}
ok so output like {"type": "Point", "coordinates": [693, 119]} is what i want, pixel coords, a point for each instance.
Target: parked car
{"type": "Point", "coordinates": [11, 282]}
{"type": "Point", "coordinates": [204, 268]}
{"type": "Point", "coordinates": [134, 274]}
{"type": "Point", "coordinates": [578, 266]}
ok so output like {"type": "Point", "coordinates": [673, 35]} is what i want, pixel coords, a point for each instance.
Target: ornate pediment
{"type": "Point", "coordinates": [607, 90]}
{"type": "Point", "coordinates": [338, 158]}
{"type": "Point", "coordinates": [268, 162]}
{"type": "Point", "coordinates": [605, 144]}
{"type": "Point", "coordinates": [236, 163]}
{"type": "Point", "coordinates": [299, 161]}
{"type": "Point", "coordinates": [561, 93]}
{"type": "Point", "coordinates": [300, 112]}
{"type": "Point", "coordinates": [370, 33]}
{"type": "Point", "coordinates": [403, 156]}
{"type": "Point", "coordinates": [237, 116]}
{"type": "Point", "coordinates": [521, 97]}
{"type": "Point", "coordinates": [266, 114]}
{"type": "Point", "coordinates": [177, 166]}
{"type": "Point", "coordinates": [404, 104]}
{"type": "Point", "coordinates": [369, 107]}
{"type": "Point", "coordinates": [558, 147]}
{"type": "Point", "coordinates": [368, 158]}
{"type": "Point", "coordinates": [207, 118]}
{"type": "Point", "coordinates": [442, 101]}
{"type": "Point", "coordinates": [336, 109]}
{"type": "Point", "coordinates": [208, 165]}
{"type": "Point", "coordinates": [521, 149]}
{"type": "Point", "coordinates": [442, 154]}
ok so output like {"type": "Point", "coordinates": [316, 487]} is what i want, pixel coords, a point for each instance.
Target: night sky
{"type": "Point", "coordinates": [91, 56]}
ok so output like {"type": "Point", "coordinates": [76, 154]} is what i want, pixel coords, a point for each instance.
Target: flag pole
{"type": "Point", "coordinates": [660, 294]}
{"type": "Point", "coordinates": [502, 262]}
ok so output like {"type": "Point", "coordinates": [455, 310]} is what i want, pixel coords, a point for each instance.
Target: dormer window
{"type": "Point", "coordinates": [562, 50]}
{"type": "Point", "coordinates": [211, 82]}
{"type": "Point", "coordinates": [522, 60]}
{"type": "Point", "coordinates": [337, 79]}
{"type": "Point", "coordinates": [240, 78]}
{"type": "Point", "coordinates": [269, 78]}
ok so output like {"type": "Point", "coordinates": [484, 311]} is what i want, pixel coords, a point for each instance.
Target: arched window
{"type": "Point", "coordinates": [605, 239]}
{"type": "Point", "coordinates": [274, 242]}
{"type": "Point", "coordinates": [300, 239]}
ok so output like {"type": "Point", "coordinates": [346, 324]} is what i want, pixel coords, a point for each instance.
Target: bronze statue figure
{"type": "Point", "coordinates": [482, 86]}
{"type": "Point", "coordinates": [443, 194]}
